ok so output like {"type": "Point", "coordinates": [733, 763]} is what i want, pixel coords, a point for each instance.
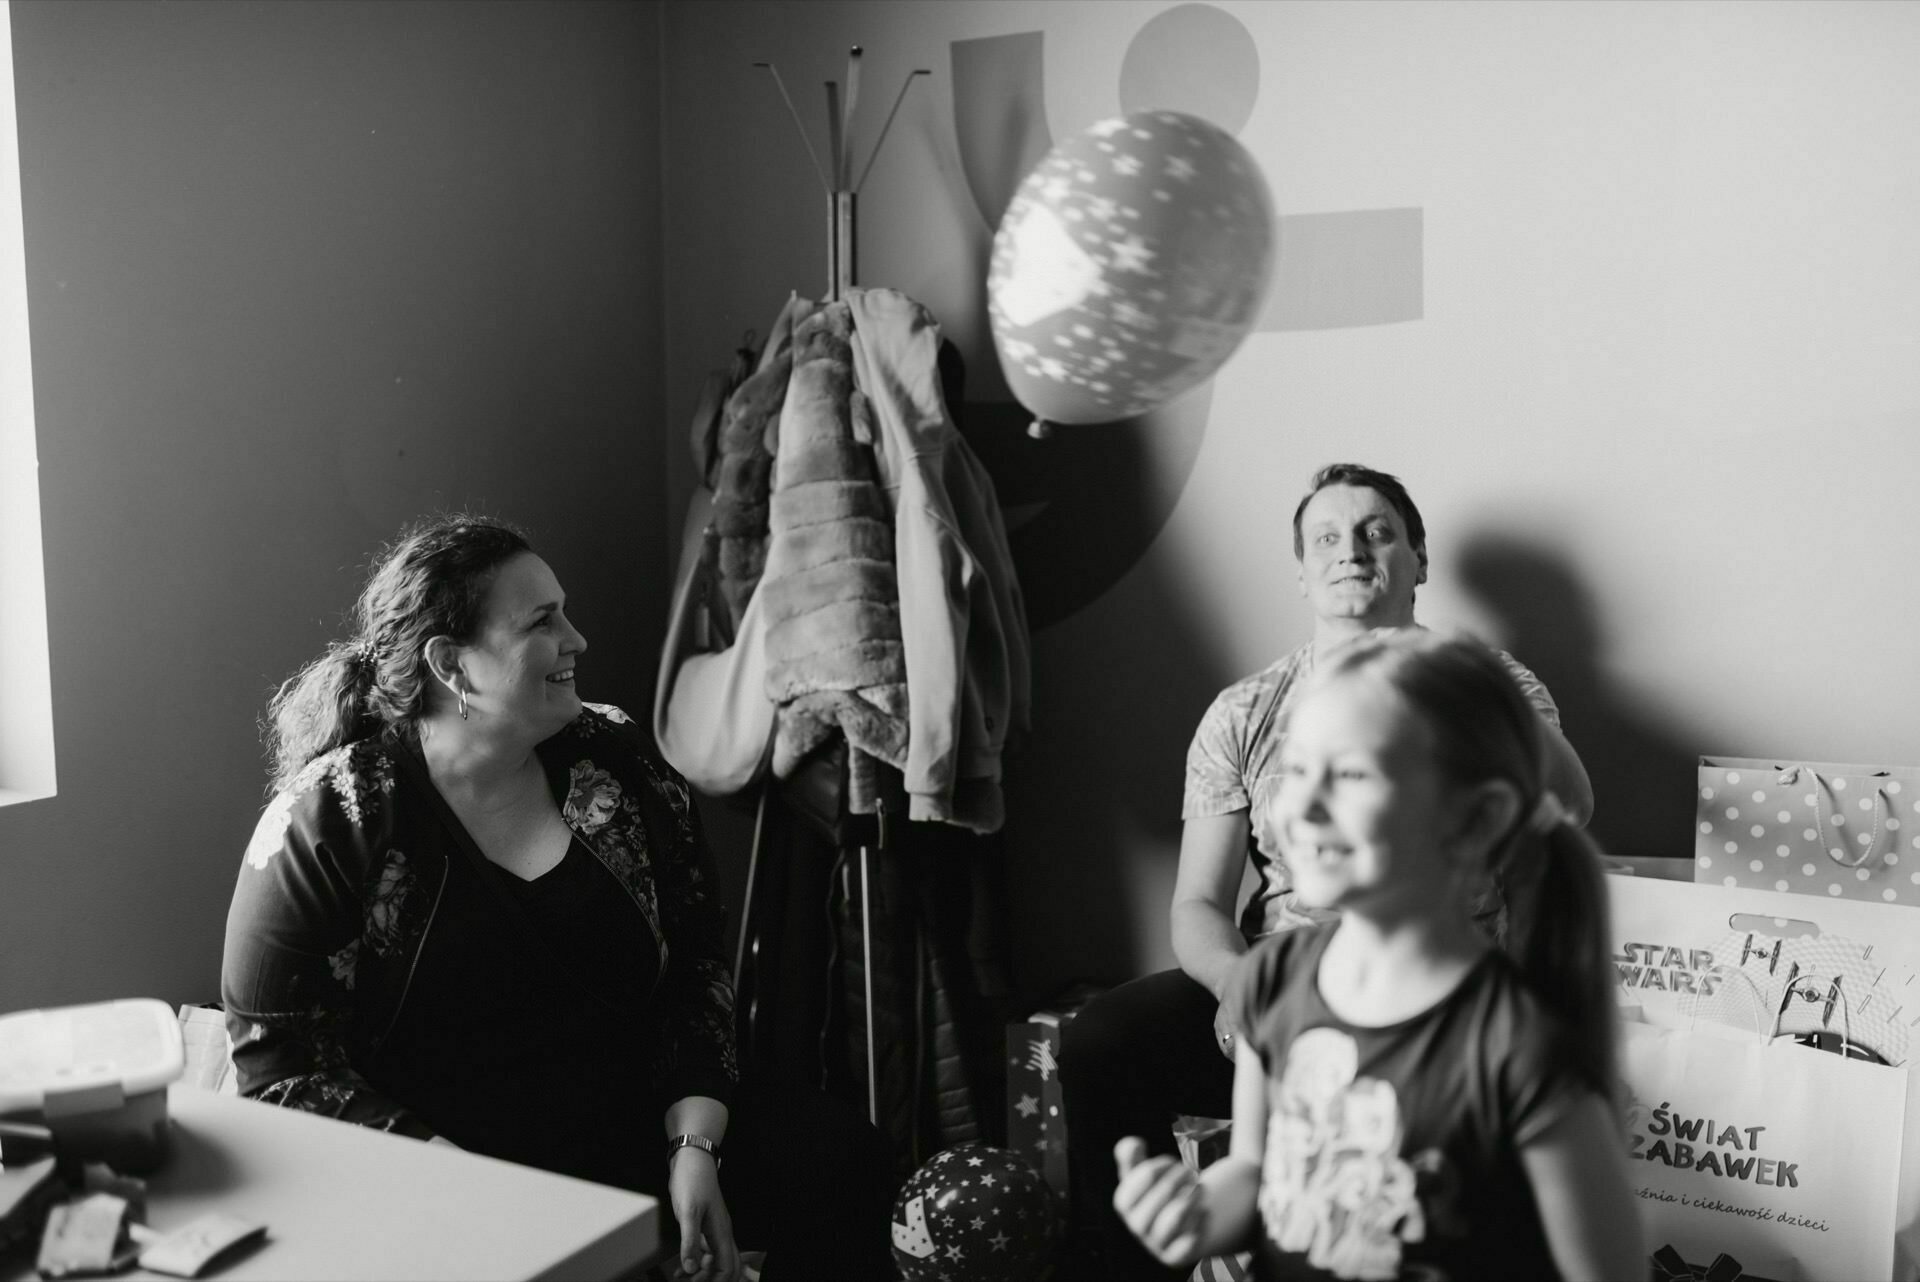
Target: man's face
{"type": "Point", "coordinates": [1356, 559]}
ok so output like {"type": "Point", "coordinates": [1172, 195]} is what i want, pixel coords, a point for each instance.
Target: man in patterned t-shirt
{"type": "Point", "coordinates": [1140, 1053]}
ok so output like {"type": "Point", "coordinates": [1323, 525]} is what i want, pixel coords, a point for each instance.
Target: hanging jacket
{"type": "Point", "coordinates": [962, 619]}
{"type": "Point", "coordinates": [834, 654]}
{"type": "Point", "coordinates": [712, 718]}
{"type": "Point", "coordinates": [961, 629]}
{"type": "Point", "coordinates": [735, 548]}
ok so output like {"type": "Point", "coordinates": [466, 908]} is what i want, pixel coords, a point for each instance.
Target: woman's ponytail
{"type": "Point", "coordinates": [318, 708]}
{"type": "Point", "coordinates": [431, 581]}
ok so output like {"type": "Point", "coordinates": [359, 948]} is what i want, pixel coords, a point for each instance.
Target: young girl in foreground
{"type": "Point", "coordinates": [1411, 1099]}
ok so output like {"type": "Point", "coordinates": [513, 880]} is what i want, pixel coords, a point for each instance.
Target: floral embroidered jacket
{"type": "Point", "coordinates": [335, 902]}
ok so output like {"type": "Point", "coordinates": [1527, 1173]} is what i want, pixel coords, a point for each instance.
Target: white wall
{"type": "Point", "coordinates": [1661, 407]}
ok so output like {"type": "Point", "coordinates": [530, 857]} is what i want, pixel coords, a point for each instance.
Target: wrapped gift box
{"type": "Point", "coordinates": [1036, 1122]}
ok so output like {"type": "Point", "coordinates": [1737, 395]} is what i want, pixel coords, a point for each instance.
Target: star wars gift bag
{"type": "Point", "coordinates": [1818, 828]}
{"type": "Point", "coordinates": [1772, 968]}
{"type": "Point", "coordinates": [1777, 1158]}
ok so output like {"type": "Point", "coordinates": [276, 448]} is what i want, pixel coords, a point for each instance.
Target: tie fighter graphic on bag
{"type": "Point", "coordinates": [1822, 989]}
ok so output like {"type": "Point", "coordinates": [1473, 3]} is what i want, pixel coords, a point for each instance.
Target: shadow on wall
{"type": "Point", "coordinates": [1122, 673]}
{"type": "Point", "coordinates": [1083, 505]}
{"type": "Point", "coordinates": [1094, 800]}
{"type": "Point", "coordinates": [1641, 765]}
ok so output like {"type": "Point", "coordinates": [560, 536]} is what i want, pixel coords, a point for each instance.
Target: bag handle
{"type": "Point", "coordinates": [1758, 1006]}
{"type": "Point", "coordinates": [1822, 786]}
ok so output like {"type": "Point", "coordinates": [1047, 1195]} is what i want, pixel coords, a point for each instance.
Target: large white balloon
{"type": "Point", "coordinates": [1131, 263]}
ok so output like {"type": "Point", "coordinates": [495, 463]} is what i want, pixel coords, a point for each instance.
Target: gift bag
{"type": "Point", "coordinates": [1036, 1120]}
{"type": "Point", "coordinates": [1761, 965]}
{"type": "Point", "coordinates": [1820, 829]}
{"type": "Point", "coordinates": [1773, 1159]}
{"type": "Point", "coordinates": [1202, 1141]}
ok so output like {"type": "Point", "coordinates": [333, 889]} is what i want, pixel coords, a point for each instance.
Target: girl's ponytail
{"type": "Point", "coordinates": [1546, 902]}
{"type": "Point", "coordinates": [1557, 933]}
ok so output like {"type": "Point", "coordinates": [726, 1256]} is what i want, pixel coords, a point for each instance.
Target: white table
{"type": "Point", "coordinates": [344, 1202]}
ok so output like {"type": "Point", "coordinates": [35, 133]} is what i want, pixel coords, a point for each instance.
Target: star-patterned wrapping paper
{"type": "Point", "coordinates": [1036, 1120]}
{"type": "Point", "coordinates": [1129, 266]}
{"type": "Point", "coordinates": [974, 1213]}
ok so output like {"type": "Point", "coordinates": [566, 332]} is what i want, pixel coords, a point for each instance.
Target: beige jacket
{"type": "Point", "coordinates": [969, 675]}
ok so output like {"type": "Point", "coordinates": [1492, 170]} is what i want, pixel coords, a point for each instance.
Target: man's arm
{"type": "Point", "coordinates": [1566, 775]}
{"type": "Point", "coordinates": [1213, 859]}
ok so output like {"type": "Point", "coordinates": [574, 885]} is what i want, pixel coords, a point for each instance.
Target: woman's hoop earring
{"type": "Point", "coordinates": [463, 705]}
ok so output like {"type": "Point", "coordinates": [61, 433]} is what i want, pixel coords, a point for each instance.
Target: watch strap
{"type": "Point", "coordinates": [710, 1147]}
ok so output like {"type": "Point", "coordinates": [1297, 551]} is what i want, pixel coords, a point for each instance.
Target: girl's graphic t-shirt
{"type": "Point", "coordinates": [1394, 1152]}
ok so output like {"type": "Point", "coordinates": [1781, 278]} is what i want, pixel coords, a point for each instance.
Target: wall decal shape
{"type": "Point", "coordinates": [1159, 70]}
{"type": "Point", "coordinates": [1084, 505]}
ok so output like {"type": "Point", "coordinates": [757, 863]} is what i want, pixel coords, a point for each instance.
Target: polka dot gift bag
{"type": "Point", "coordinates": [1812, 828]}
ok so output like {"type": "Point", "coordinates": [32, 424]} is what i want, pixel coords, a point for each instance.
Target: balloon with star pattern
{"type": "Point", "coordinates": [974, 1213]}
{"type": "Point", "coordinates": [1129, 266]}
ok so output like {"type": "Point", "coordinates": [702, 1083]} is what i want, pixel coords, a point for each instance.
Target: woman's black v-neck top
{"type": "Point", "coordinates": [524, 1043]}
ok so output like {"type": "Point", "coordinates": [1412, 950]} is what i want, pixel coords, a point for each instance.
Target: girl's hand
{"type": "Point", "coordinates": [1161, 1201]}
{"type": "Point", "coordinates": [707, 1250]}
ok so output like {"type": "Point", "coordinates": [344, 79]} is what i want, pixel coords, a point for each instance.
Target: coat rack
{"type": "Point", "coordinates": [842, 191]}
{"type": "Point", "coordinates": [842, 194]}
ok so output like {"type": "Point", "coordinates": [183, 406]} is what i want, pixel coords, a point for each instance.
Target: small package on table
{"type": "Point", "coordinates": [1036, 1119]}
{"type": "Point", "coordinates": [95, 1076]}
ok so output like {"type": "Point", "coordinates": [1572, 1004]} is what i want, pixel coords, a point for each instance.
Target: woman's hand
{"type": "Point", "coordinates": [707, 1250]}
{"type": "Point", "coordinates": [1225, 1037]}
{"type": "Point", "coordinates": [1161, 1201]}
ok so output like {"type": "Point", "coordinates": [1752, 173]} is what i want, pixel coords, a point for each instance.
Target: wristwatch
{"type": "Point", "coordinates": [711, 1147]}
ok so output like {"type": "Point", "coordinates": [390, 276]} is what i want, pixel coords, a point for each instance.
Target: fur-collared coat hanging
{"type": "Point", "coordinates": [881, 599]}
{"type": "Point", "coordinates": [835, 659]}
{"type": "Point", "coordinates": [741, 464]}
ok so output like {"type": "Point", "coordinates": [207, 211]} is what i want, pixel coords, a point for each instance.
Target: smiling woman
{"type": "Point", "coordinates": [480, 911]}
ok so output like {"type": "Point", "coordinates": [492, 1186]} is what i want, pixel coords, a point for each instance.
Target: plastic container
{"type": "Point", "coordinates": [96, 1076]}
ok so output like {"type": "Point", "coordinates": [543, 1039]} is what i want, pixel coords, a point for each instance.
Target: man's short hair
{"type": "Point", "coordinates": [1354, 474]}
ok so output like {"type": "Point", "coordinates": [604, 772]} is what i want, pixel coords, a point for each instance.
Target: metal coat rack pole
{"type": "Point", "coordinates": [842, 199]}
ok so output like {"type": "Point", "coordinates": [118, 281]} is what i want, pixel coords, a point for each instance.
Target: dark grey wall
{"type": "Point", "coordinates": [299, 272]}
